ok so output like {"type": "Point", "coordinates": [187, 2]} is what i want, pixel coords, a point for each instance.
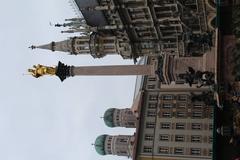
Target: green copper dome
{"type": "Point", "coordinates": [108, 117]}
{"type": "Point", "coordinates": [100, 144]}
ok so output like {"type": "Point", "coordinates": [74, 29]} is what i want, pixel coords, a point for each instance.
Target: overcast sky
{"type": "Point", "coordinates": [45, 119]}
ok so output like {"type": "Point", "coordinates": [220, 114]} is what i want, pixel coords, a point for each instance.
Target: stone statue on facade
{"type": "Point", "coordinates": [203, 78]}
{"type": "Point", "coordinates": [206, 97]}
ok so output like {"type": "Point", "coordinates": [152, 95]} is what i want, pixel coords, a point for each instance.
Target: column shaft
{"type": "Point", "coordinates": [113, 70]}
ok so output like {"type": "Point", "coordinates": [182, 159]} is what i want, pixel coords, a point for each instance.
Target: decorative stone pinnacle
{"type": "Point", "coordinates": [58, 25]}
{"type": "Point", "coordinates": [32, 47]}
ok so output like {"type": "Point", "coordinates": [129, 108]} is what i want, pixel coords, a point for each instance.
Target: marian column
{"type": "Point", "coordinates": [63, 71]}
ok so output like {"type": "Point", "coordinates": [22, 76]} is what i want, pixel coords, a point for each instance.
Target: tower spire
{"type": "Point", "coordinates": [73, 22]}
{"type": "Point", "coordinates": [89, 44]}
{"type": "Point", "coordinates": [62, 46]}
{"type": "Point", "coordinates": [58, 25]}
{"type": "Point", "coordinates": [50, 46]}
{"type": "Point", "coordinates": [32, 47]}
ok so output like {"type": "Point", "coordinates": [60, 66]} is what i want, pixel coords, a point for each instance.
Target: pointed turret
{"type": "Point", "coordinates": [95, 44]}
{"type": "Point", "coordinates": [63, 46]}
{"type": "Point", "coordinates": [70, 24]}
{"type": "Point", "coordinates": [73, 22]}
{"type": "Point", "coordinates": [58, 25]}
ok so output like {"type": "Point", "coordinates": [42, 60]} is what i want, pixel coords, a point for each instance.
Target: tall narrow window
{"type": "Point", "coordinates": [150, 124]}
{"type": "Point", "coordinates": [167, 105]}
{"type": "Point", "coordinates": [182, 97]}
{"type": "Point", "coordinates": [166, 114]}
{"type": "Point", "coordinates": [210, 152]}
{"type": "Point", "coordinates": [152, 79]}
{"type": "Point", "coordinates": [181, 105]}
{"type": "Point", "coordinates": [195, 151]}
{"type": "Point", "coordinates": [148, 137]}
{"type": "Point", "coordinates": [151, 86]}
{"type": "Point", "coordinates": [163, 150]}
{"type": "Point", "coordinates": [197, 105]}
{"type": "Point", "coordinates": [211, 114]}
{"type": "Point", "coordinates": [181, 114]}
{"type": "Point", "coordinates": [179, 138]}
{"type": "Point", "coordinates": [123, 140]}
{"type": "Point", "coordinates": [196, 138]}
{"type": "Point", "coordinates": [167, 97]}
{"type": "Point", "coordinates": [151, 113]}
{"type": "Point", "coordinates": [165, 125]}
{"type": "Point", "coordinates": [210, 139]}
{"type": "Point", "coordinates": [164, 137]}
{"type": "Point", "coordinates": [196, 126]}
{"type": "Point", "coordinates": [180, 125]}
{"type": "Point", "coordinates": [152, 105]}
{"type": "Point", "coordinates": [178, 150]}
{"type": "Point", "coordinates": [147, 149]}
{"type": "Point", "coordinates": [153, 97]}
{"type": "Point", "coordinates": [197, 114]}
{"type": "Point", "coordinates": [210, 127]}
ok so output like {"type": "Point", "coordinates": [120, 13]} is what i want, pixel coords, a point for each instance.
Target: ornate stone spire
{"type": "Point", "coordinates": [79, 25]}
{"type": "Point", "coordinates": [97, 45]}
{"type": "Point", "coordinates": [63, 46]}
{"type": "Point", "coordinates": [73, 22]}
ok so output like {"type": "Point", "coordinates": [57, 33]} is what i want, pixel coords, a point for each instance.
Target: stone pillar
{"type": "Point", "coordinates": [116, 70]}
{"type": "Point", "coordinates": [63, 71]}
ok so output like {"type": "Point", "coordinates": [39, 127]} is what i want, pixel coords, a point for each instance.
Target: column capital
{"type": "Point", "coordinates": [63, 71]}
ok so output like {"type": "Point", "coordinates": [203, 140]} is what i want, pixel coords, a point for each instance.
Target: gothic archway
{"type": "Point", "coordinates": [212, 23]}
{"type": "Point", "coordinates": [211, 4]}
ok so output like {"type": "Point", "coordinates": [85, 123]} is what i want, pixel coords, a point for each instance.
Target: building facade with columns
{"type": "Point", "coordinates": [173, 123]}
{"type": "Point", "coordinates": [172, 126]}
{"type": "Point", "coordinates": [134, 28]}
{"type": "Point", "coordinates": [169, 26]}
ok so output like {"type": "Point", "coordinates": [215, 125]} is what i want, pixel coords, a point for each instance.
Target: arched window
{"type": "Point", "coordinates": [213, 22]}
{"type": "Point", "coordinates": [212, 3]}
